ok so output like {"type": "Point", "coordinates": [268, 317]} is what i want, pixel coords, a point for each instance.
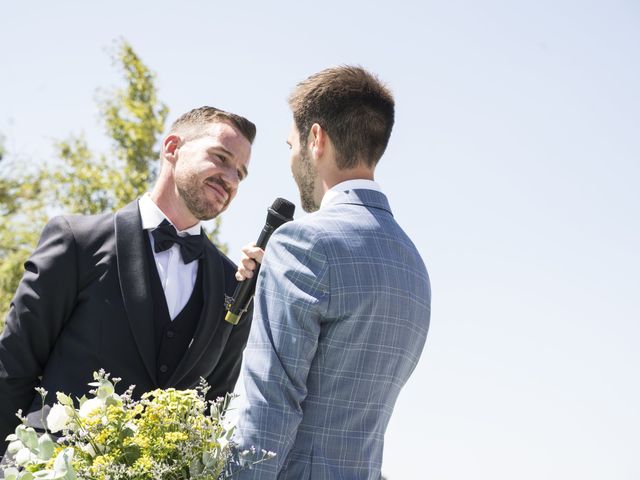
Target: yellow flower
{"type": "Point", "coordinates": [101, 463]}
{"type": "Point", "coordinates": [175, 437]}
{"type": "Point", "coordinates": [162, 434]}
{"type": "Point", "coordinates": [143, 464]}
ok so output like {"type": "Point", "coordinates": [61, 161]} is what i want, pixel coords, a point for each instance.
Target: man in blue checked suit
{"type": "Point", "coordinates": [342, 302]}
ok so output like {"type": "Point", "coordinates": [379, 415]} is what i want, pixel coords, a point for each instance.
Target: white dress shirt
{"type": "Point", "coordinates": [176, 277]}
{"type": "Point", "coordinates": [359, 183]}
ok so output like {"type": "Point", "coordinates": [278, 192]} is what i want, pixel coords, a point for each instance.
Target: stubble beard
{"type": "Point", "coordinates": [192, 192]}
{"type": "Point", "coordinates": [305, 178]}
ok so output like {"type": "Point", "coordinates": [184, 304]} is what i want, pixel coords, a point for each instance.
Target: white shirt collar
{"type": "Point", "coordinates": [359, 183]}
{"type": "Point", "coordinates": [152, 216]}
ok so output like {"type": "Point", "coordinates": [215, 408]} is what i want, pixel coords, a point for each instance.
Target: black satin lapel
{"type": "Point", "coordinates": [133, 272]}
{"type": "Point", "coordinates": [212, 315]}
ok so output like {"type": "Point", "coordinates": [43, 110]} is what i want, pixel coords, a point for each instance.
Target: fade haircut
{"type": "Point", "coordinates": [352, 106]}
{"type": "Point", "coordinates": [203, 116]}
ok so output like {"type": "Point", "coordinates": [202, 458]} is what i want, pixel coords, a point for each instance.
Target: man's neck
{"type": "Point", "coordinates": [338, 176]}
{"type": "Point", "coordinates": [174, 209]}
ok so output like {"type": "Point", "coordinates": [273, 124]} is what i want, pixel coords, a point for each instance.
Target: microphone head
{"type": "Point", "coordinates": [284, 207]}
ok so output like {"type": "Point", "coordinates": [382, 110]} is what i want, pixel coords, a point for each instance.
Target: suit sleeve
{"type": "Point", "coordinates": [43, 301]}
{"type": "Point", "coordinates": [292, 296]}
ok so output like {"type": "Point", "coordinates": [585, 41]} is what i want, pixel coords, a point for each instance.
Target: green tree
{"type": "Point", "coordinates": [79, 180]}
{"type": "Point", "coordinates": [134, 120]}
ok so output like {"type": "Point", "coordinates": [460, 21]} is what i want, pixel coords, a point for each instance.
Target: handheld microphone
{"type": "Point", "coordinates": [280, 212]}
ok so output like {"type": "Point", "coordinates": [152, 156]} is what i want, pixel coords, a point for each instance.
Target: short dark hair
{"type": "Point", "coordinates": [204, 115]}
{"type": "Point", "coordinates": [352, 106]}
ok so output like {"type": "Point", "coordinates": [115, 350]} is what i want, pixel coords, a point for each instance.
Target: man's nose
{"type": "Point", "coordinates": [230, 176]}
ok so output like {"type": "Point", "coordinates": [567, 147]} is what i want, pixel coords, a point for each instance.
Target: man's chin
{"type": "Point", "coordinates": [210, 216]}
{"type": "Point", "coordinates": [210, 213]}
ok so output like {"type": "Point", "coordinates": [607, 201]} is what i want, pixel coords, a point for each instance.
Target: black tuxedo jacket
{"type": "Point", "coordinates": [84, 303]}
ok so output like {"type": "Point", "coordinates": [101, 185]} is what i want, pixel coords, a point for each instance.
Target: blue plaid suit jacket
{"type": "Point", "coordinates": [341, 315]}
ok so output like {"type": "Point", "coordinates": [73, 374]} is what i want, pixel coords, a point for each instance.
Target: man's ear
{"type": "Point", "coordinates": [317, 141]}
{"type": "Point", "coordinates": [170, 146]}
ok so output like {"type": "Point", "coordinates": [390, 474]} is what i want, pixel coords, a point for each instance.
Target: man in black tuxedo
{"type": "Point", "coordinates": [139, 293]}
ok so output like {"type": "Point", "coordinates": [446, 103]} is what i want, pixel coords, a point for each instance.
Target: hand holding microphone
{"type": "Point", "coordinates": [251, 258]}
{"type": "Point", "coordinates": [280, 212]}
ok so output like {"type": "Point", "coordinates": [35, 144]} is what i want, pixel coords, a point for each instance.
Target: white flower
{"type": "Point", "coordinates": [88, 448]}
{"type": "Point", "coordinates": [58, 418]}
{"type": "Point", "coordinates": [90, 406]}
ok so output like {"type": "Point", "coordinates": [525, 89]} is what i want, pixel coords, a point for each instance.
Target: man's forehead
{"type": "Point", "coordinates": [215, 129]}
{"type": "Point", "coordinates": [223, 133]}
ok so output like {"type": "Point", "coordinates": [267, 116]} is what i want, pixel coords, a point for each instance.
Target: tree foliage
{"type": "Point", "coordinates": [80, 181]}
{"type": "Point", "coordinates": [134, 120]}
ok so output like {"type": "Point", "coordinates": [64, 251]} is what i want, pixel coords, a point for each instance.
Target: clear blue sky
{"type": "Point", "coordinates": [514, 165]}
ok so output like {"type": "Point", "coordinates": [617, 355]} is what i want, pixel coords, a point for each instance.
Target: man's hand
{"type": "Point", "coordinates": [251, 257]}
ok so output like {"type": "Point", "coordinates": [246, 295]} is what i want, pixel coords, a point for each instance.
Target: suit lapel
{"type": "Point", "coordinates": [133, 272]}
{"type": "Point", "coordinates": [213, 288]}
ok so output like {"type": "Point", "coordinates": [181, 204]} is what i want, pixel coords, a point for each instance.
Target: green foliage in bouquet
{"type": "Point", "coordinates": [167, 434]}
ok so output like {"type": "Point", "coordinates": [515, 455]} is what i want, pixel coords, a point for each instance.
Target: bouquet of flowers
{"type": "Point", "coordinates": [168, 434]}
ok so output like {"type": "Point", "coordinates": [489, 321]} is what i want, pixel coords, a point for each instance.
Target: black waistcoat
{"type": "Point", "coordinates": [172, 337]}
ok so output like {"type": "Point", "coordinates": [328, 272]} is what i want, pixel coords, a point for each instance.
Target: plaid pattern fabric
{"type": "Point", "coordinates": [341, 316]}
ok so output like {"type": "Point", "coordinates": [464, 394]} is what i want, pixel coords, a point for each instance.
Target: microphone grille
{"type": "Point", "coordinates": [284, 207]}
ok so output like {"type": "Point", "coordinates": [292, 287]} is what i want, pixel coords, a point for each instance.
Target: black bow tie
{"type": "Point", "coordinates": [165, 236]}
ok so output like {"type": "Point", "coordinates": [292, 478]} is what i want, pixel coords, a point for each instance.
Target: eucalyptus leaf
{"type": "Point", "coordinates": [48, 475]}
{"type": "Point", "coordinates": [11, 473]}
{"type": "Point", "coordinates": [209, 459]}
{"type": "Point", "coordinates": [196, 468]}
{"type": "Point", "coordinates": [105, 389]}
{"type": "Point", "coordinates": [15, 446]}
{"type": "Point", "coordinates": [64, 399]}
{"type": "Point", "coordinates": [46, 446]}
{"type": "Point", "coordinates": [24, 456]}
{"type": "Point", "coordinates": [62, 465]}
{"type": "Point", "coordinates": [28, 436]}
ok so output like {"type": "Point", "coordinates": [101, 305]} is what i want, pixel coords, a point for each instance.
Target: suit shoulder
{"type": "Point", "coordinates": [308, 227]}
{"type": "Point", "coordinates": [226, 261]}
{"type": "Point", "coordinates": [228, 264]}
{"type": "Point", "coordinates": [317, 229]}
{"type": "Point", "coordinates": [297, 234]}
{"type": "Point", "coordinates": [229, 268]}
{"type": "Point", "coordinates": [88, 221]}
{"type": "Point", "coordinates": [84, 228]}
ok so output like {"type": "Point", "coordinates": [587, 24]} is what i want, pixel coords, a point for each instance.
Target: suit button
{"type": "Point", "coordinates": [170, 334]}
{"type": "Point", "coordinates": [164, 369]}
